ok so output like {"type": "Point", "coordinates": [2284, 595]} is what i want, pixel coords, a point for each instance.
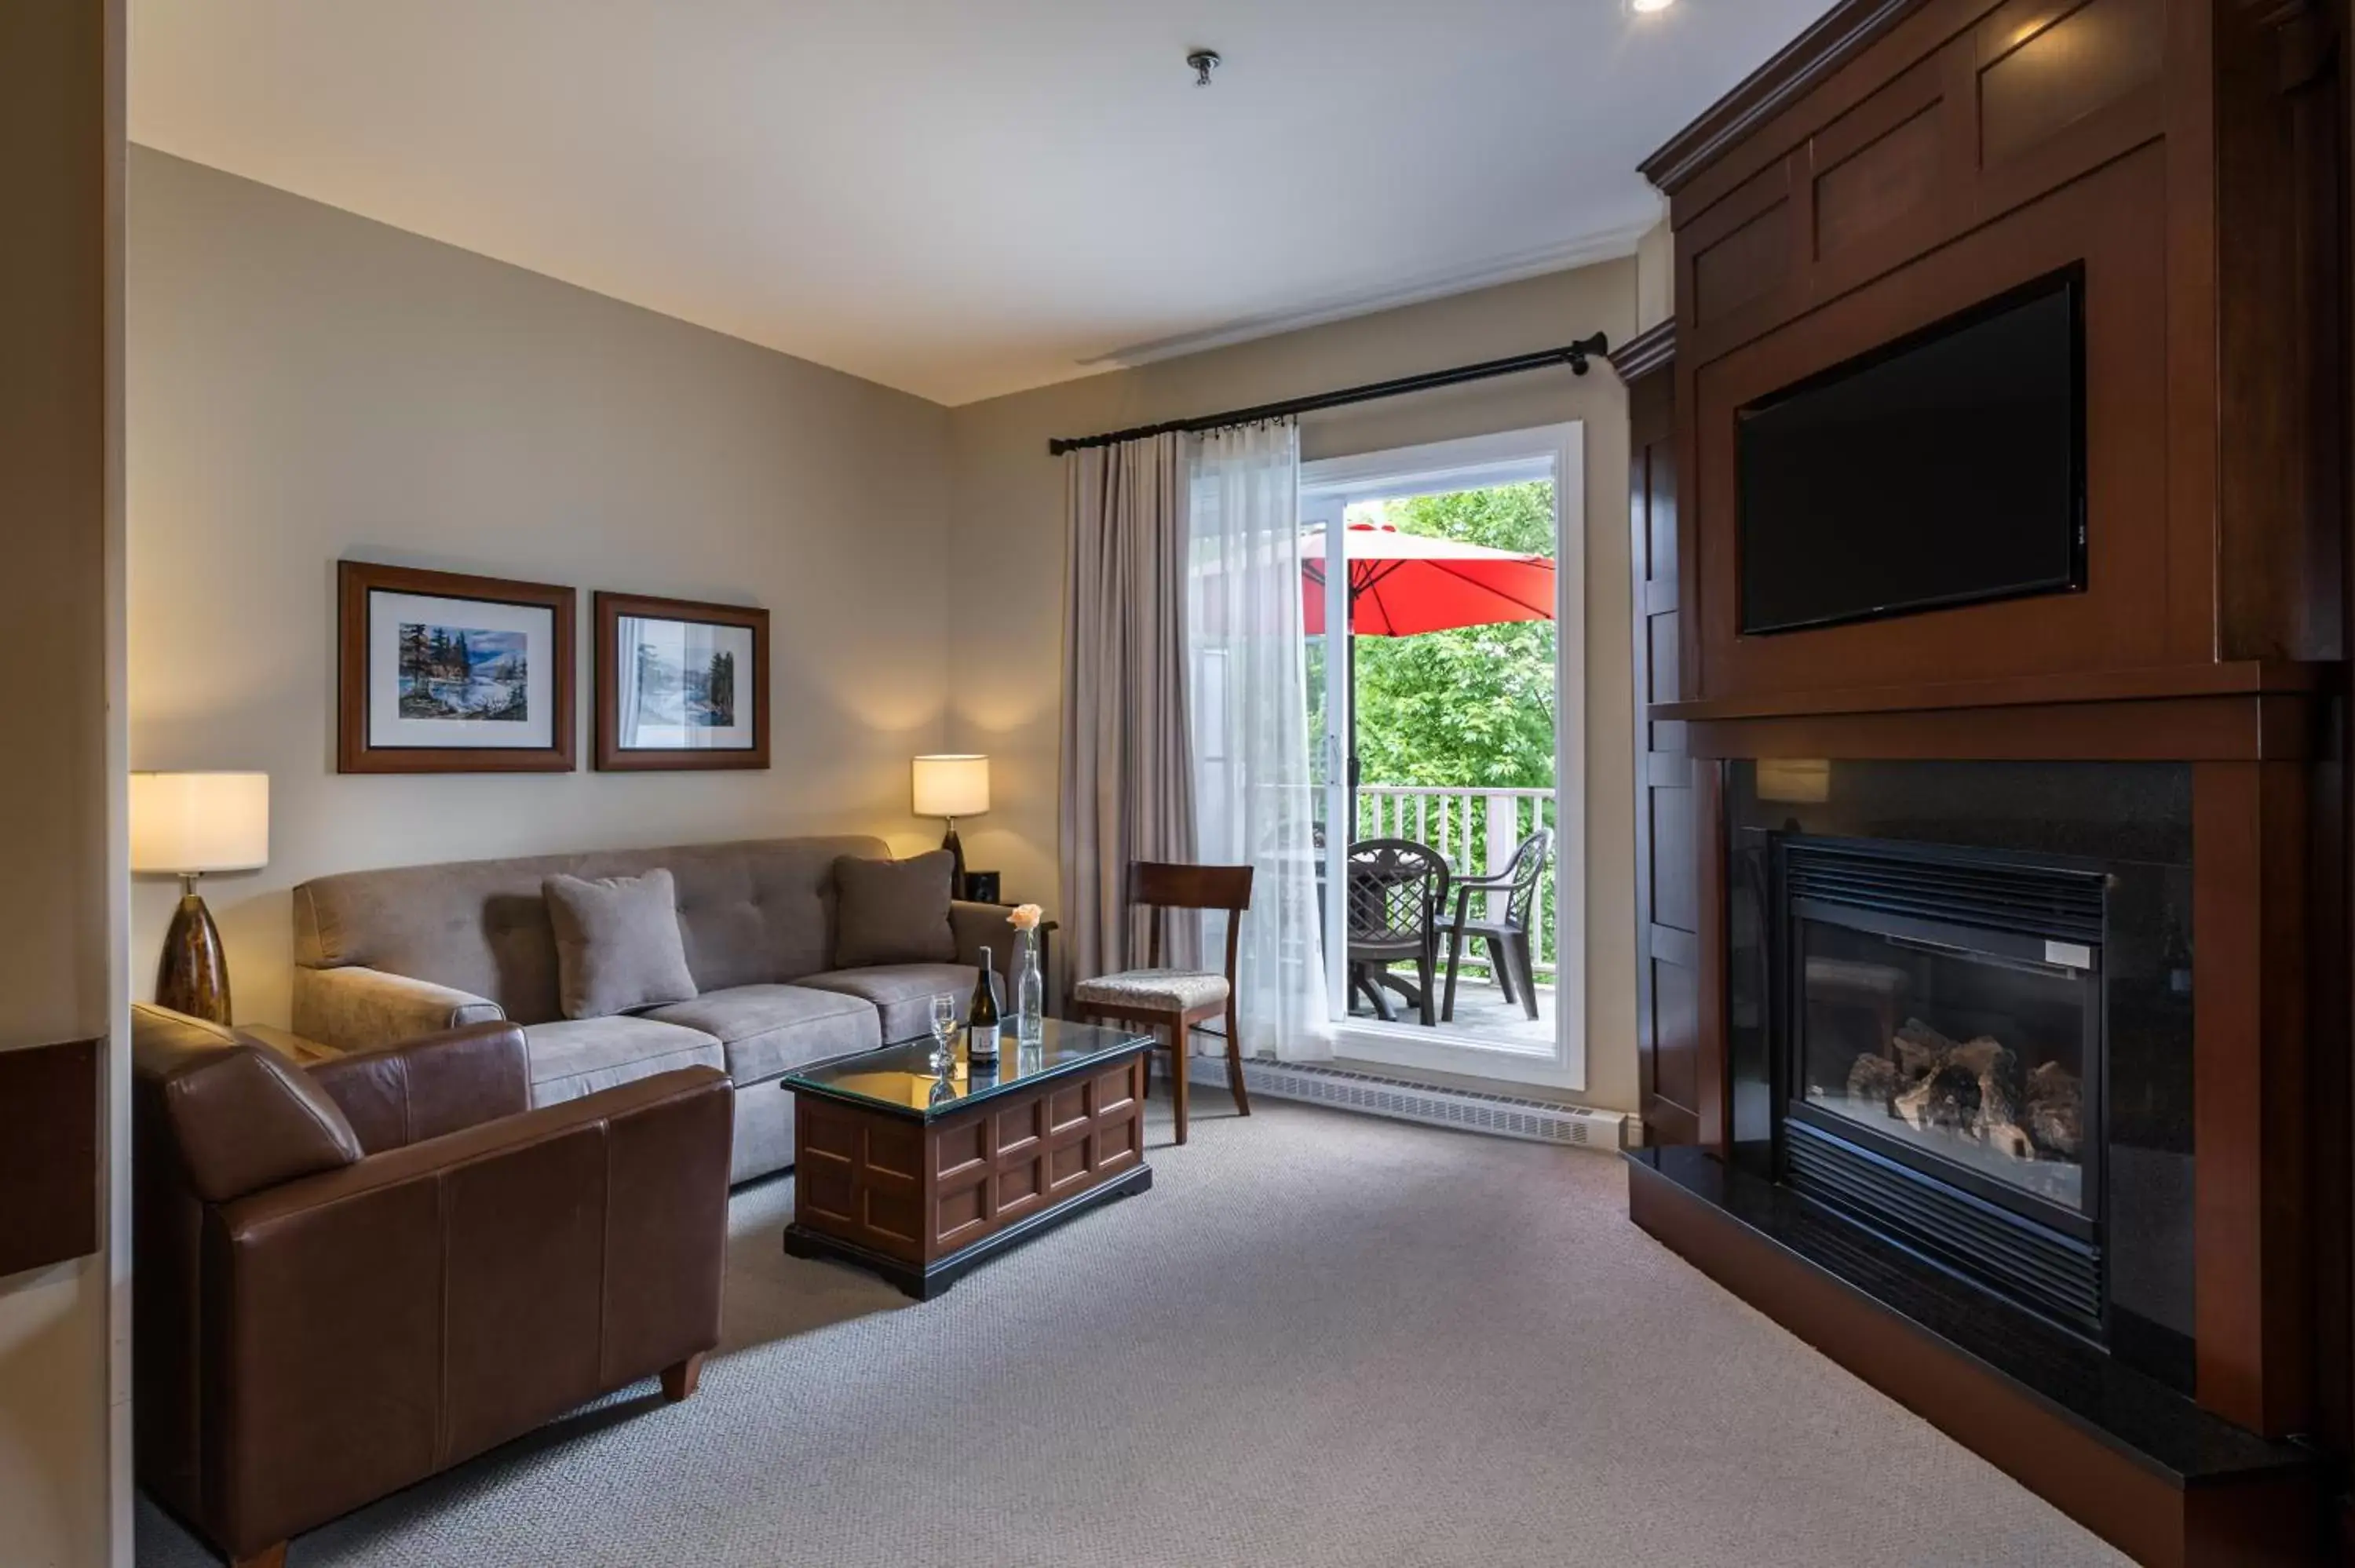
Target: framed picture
{"type": "Point", "coordinates": [443, 673]}
{"type": "Point", "coordinates": [681, 684]}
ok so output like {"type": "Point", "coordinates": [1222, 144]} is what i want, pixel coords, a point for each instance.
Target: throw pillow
{"type": "Point", "coordinates": [617, 943]}
{"type": "Point", "coordinates": [893, 911]}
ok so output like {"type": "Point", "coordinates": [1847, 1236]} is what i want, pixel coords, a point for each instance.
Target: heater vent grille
{"type": "Point", "coordinates": [2037, 1266]}
{"type": "Point", "coordinates": [2033, 900]}
{"type": "Point", "coordinates": [1502, 1116]}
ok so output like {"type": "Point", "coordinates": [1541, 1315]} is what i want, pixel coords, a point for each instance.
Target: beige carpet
{"type": "Point", "coordinates": [1321, 1339]}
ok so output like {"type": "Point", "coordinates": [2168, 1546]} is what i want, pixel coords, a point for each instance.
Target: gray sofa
{"type": "Point", "coordinates": [386, 956]}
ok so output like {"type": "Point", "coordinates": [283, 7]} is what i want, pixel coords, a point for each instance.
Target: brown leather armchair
{"type": "Point", "coordinates": [352, 1276]}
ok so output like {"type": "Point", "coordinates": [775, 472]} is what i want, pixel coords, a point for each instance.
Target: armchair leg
{"type": "Point", "coordinates": [1235, 1062]}
{"type": "Point", "coordinates": [679, 1381]}
{"type": "Point", "coordinates": [268, 1557]}
{"type": "Point", "coordinates": [1423, 969]}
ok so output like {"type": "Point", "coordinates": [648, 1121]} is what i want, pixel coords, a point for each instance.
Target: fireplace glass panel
{"type": "Point", "coordinates": [1971, 1057]}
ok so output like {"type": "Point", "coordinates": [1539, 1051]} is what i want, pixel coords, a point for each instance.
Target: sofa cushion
{"type": "Point", "coordinates": [617, 944]}
{"type": "Point", "coordinates": [577, 1056]}
{"type": "Point", "coordinates": [902, 993]}
{"type": "Point", "coordinates": [893, 911]}
{"type": "Point", "coordinates": [772, 1029]}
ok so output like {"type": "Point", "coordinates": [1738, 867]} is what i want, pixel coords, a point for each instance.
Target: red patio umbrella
{"type": "Point", "coordinates": [1404, 583]}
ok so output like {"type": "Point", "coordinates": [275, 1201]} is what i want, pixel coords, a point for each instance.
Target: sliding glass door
{"type": "Point", "coordinates": [1444, 620]}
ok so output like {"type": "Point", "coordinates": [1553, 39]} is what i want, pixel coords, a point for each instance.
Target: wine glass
{"type": "Point", "coordinates": [945, 1023]}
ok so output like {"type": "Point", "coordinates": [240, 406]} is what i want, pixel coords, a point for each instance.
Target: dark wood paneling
{"type": "Point", "coordinates": [1749, 261]}
{"type": "Point", "coordinates": [1881, 181]}
{"type": "Point", "coordinates": [1665, 904]}
{"type": "Point", "coordinates": [1676, 1012]}
{"type": "Point", "coordinates": [2064, 72]}
{"type": "Point", "coordinates": [2188, 729]}
{"type": "Point", "coordinates": [2247, 678]}
{"type": "Point", "coordinates": [2115, 230]}
{"type": "Point", "coordinates": [2249, 913]}
{"type": "Point", "coordinates": [1674, 899]}
{"type": "Point", "coordinates": [52, 1167]}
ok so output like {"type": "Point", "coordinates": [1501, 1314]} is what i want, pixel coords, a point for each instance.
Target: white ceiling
{"type": "Point", "coordinates": [964, 197]}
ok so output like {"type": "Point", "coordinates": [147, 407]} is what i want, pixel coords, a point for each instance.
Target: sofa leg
{"type": "Point", "coordinates": [679, 1381]}
{"type": "Point", "coordinates": [268, 1557]}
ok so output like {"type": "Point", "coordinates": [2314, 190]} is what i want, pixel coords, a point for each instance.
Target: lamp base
{"type": "Point", "coordinates": [956, 846]}
{"type": "Point", "coordinates": [194, 976]}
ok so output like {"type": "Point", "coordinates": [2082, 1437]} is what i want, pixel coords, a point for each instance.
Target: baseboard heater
{"type": "Point", "coordinates": [1403, 1100]}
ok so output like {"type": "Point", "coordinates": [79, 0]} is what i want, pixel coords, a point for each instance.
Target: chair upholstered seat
{"type": "Point", "coordinates": [1173, 991]}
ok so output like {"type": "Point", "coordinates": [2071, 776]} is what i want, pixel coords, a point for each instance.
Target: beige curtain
{"type": "Point", "coordinates": [1127, 770]}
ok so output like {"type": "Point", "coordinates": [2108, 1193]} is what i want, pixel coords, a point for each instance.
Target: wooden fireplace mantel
{"type": "Point", "coordinates": [2247, 710]}
{"type": "Point", "coordinates": [1899, 163]}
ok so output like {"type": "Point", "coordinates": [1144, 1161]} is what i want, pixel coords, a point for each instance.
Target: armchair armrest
{"type": "Point", "coordinates": [373, 1325]}
{"type": "Point", "coordinates": [356, 1008]}
{"type": "Point", "coordinates": [401, 1095]}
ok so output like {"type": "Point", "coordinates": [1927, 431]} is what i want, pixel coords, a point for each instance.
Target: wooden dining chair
{"type": "Point", "coordinates": [1172, 998]}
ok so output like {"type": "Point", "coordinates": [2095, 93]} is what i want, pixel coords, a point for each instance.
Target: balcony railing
{"type": "Point", "coordinates": [1476, 830]}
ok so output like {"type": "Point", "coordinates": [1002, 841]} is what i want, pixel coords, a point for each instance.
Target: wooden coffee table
{"type": "Point", "coordinates": [919, 1179]}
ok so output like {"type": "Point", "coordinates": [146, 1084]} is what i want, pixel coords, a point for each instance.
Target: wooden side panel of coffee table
{"type": "Point", "coordinates": [920, 1203]}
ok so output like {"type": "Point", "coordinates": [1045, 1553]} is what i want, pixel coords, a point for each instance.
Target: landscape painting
{"type": "Point", "coordinates": [445, 672]}
{"type": "Point", "coordinates": [464, 673]}
{"type": "Point", "coordinates": [672, 690]}
{"type": "Point", "coordinates": [681, 683]}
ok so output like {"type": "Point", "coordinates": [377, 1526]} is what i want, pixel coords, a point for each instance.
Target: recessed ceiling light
{"type": "Point", "coordinates": [1645, 7]}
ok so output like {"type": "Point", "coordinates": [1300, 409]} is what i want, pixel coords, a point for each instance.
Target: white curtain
{"type": "Point", "coordinates": [1254, 795]}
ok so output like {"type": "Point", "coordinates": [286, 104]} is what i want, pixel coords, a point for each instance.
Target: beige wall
{"type": "Point", "coordinates": [1006, 548]}
{"type": "Point", "coordinates": [1655, 276]}
{"type": "Point", "coordinates": [306, 384]}
{"type": "Point", "coordinates": [60, 136]}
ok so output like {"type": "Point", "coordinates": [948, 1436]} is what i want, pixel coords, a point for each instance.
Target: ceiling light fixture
{"type": "Point", "coordinates": [1645, 8]}
{"type": "Point", "coordinates": [1205, 61]}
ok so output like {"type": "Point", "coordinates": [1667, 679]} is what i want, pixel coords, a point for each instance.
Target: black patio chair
{"type": "Point", "coordinates": [1396, 889]}
{"type": "Point", "coordinates": [1508, 937]}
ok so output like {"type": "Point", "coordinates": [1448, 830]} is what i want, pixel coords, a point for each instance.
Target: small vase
{"type": "Point", "coordinates": [1030, 992]}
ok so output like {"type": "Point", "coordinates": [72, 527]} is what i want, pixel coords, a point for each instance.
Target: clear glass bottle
{"type": "Point", "coordinates": [1030, 993]}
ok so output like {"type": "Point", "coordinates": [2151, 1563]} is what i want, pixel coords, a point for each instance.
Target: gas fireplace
{"type": "Point", "coordinates": [1945, 1029]}
{"type": "Point", "coordinates": [1963, 1019]}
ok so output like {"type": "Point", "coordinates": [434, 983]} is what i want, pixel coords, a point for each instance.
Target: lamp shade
{"type": "Point", "coordinates": [184, 824]}
{"type": "Point", "coordinates": [952, 786]}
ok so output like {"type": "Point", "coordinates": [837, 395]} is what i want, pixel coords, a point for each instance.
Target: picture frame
{"type": "Point", "coordinates": [449, 672]}
{"type": "Point", "coordinates": [681, 683]}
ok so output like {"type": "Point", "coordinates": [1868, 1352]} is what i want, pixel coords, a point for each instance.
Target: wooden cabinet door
{"type": "Point", "coordinates": [1668, 918]}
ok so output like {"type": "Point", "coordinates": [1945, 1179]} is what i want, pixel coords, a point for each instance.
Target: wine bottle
{"type": "Point", "coordinates": [981, 1019]}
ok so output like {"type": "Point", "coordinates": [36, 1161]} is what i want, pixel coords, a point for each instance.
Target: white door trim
{"type": "Point", "coordinates": [1559, 452]}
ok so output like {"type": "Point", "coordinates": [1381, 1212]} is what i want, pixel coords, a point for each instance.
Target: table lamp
{"type": "Point", "coordinates": [952, 786]}
{"type": "Point", "coordinates": [184, 825]}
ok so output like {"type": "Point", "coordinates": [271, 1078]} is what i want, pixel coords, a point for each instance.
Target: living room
{"type": "Point", "coordinates": [703, 681]}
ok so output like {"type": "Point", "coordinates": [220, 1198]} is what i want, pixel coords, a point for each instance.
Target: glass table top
{"type": "Point", "coordinates": [900, 1077]}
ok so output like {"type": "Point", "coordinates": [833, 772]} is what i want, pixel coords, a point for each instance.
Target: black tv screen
{"type": "Point", "coordinates": [1946, 468]}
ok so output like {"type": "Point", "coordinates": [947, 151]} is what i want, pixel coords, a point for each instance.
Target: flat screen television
{"type": "Point", "coordinates": [1946, 467]}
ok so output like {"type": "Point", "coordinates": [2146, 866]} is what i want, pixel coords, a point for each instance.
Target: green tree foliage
{"type": "Point", "coordinates": [1472, 707]}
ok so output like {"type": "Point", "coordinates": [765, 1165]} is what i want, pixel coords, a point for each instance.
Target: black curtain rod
{"type": "Point", "coordinates": [1574, 355]}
